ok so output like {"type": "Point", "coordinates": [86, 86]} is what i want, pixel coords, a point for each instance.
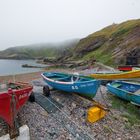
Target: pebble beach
{"type": "Point", "coordinates": [70, 122]}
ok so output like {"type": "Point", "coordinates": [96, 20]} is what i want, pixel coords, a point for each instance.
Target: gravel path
{"type": "Point", "coordinates": [3, 128]}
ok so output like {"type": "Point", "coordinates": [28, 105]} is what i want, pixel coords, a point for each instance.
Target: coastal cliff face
{"type": "Point", "coordinates": [111, 46]}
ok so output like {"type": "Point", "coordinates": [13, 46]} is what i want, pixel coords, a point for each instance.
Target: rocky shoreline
{"type": "Point", "coordinates": [31, 66]}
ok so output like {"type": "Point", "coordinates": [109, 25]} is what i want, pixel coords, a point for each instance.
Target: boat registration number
{"type": "Point", "coordinates": [74, 87]}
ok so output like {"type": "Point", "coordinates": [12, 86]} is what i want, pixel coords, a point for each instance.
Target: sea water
{"type": "Point", "coordinates": [12, 67]}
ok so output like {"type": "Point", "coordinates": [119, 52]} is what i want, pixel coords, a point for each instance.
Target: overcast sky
{"type": "Point", "coordinates": [25, 22]}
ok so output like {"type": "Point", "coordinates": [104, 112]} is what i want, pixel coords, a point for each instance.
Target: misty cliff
{"type": "Point", "coordinates": [37, 50]}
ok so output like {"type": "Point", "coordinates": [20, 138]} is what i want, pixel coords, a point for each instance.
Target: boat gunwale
{"type": "Point", "coordinates": [67, 83]}
{"type": "Point", "coordinates": [120, 73]}
{"type": "Point", "coordinates": [109, 75]}
{"type": "Point", "coordinates": [26, 86]}
{"type": "Point", "coordinates": [110, 84]}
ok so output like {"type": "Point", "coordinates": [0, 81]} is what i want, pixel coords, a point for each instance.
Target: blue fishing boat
{"type": "Point", "coordinates": [83, 85]}
{"type": "Point", "coordinates": [125, 90]}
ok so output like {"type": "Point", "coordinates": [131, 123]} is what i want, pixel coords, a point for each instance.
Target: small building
{"type": "Point", "coordinates": [133, 58]}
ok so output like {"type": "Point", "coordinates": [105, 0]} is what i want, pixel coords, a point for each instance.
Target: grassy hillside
{"type": "Point", "coordinates": [110, 45]}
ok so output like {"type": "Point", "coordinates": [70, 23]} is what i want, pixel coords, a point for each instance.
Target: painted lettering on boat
{"type": "Point", "coordinates": [85, 85]}
{"type": "Point", "coordinates": [82, 86]}
{"type": "Point", "coordinates": [24, 95]}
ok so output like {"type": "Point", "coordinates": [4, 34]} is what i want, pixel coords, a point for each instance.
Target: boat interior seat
{"type": "Point", "coordinates": [5, 87]}
{"type": "Point", "coordinates": [54, 77]}
{"type": "Point", "coordinates": [82, 79]}
{"type": "Point", "coordinates": [117, 85]}
{"type": "Point", "coordinates": [137, 92]}
{"type": "Point", "coordinates": [13, 86]}
{"type": "Point", "coordinates": [63, 78]}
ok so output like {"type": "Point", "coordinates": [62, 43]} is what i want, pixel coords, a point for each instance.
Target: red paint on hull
{"type": "Point", "coordinates": [125, 68]}
{"type": "Point", "coordinates": [12, 100]}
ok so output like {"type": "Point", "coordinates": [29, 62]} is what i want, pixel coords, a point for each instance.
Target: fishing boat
{"type": "Point", "coordinates": [125, 90]}
{"type": "Point", "coordinates": [125, 68]}
{"type": "Point", "coordinates": [12, 97]}
{"type": "Point", "coordinates": [120, 75]}
{"type": "Point", "coordinates": [83, 85]}
{"type": "Point", "coordinates": [136, 68]}
{"type": "Point", "coordinates": [128, 67]}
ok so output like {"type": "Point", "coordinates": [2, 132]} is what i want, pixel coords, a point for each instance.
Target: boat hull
{"type": "Point", "coordinates": [11, 101]}
{"type": "Point", "coordinates": [122, 75]}
{"type": "Point", "coordinates": [86, 88]}
{"type": "Point", "coordinates": [128, 67]}
{"type": "Point", "coordinates": [127, 93]}
{"type": "Point", "coordinates": [125, 68]}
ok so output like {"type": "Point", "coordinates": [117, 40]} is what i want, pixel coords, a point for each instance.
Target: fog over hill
{"type": "Point", "coordinates": [37, 50]}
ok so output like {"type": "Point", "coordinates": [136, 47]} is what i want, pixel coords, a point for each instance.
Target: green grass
{"type": "Point", "coordinates": [120, 32]}
{"type": "Point", "coordinates": [114, 35]}
{"type": "Point", "coordinates": [117, 28]}
{"type": "Point", "coordinates": [100, 56]}
{"type": "Point", "coordinates": [129, 111]}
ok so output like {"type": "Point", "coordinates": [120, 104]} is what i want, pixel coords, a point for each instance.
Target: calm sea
{"type": "Point", "coordinates": [11, 67]}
